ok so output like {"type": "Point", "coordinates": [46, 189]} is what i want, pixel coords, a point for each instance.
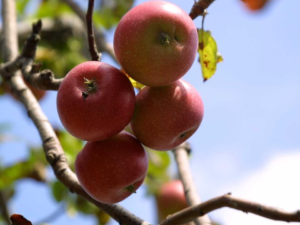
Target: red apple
{"type": "Point", "coordinates": [255, 5]}
{"type": "Point", "coordinates": [95, 101]}
{"type": "Point", "coordinates": [156, 43]}
{"type": "Point", "coordinates": [170, 198]}
{"type": "Point", "coordinates": [111, 170]}
{"type": "Point", "coordinates": [166, 116]}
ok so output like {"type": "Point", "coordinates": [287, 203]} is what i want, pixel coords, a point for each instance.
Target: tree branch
{"type": "Point", "coordinates": [52, 148]}
{"type": "Point", "coordinates": [44, 80]}
{"type": "Point", "coordinates": [227, 200]}
{"type": "Point", "coordinates": [3, 208]}
{"type": "Point", "coordinates": [90, 32]}
{"type": "Point", "coordinates": [10, 41]}
{"type": "Point", "coordinates": [199, 7]}
{"type": "Point", "coordinates": [100, 39]}
{"type": "Point", "coordinates": [185, 174]}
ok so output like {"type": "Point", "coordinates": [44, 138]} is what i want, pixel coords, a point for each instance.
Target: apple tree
{"type": "Point", "coordinates": [41, 41]}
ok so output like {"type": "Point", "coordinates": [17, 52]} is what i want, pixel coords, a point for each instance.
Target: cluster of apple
{"type": "Point", "coordinates": [155, 43]}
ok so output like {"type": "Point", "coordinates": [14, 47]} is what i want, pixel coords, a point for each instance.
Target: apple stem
{"type": "Point", "coordinates": [90, 86]}
{"type": "Point", "coordinates": [130, 188]}
{"type": "Point", "coordinates": [164, 39]}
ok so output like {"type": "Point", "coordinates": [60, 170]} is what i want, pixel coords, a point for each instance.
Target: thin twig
{"type": "Point", "coordinates": [199, 7]}
{"type": "Point", "coordinates": [44, 80]}
{"type": "Point", "coordinates": [102, 44]}
{"type": "Point", "coordinates": [185, 174]}
{"type": "Point", "coordinates": [227, 200]}
{"type": "Point", "coordinates": [52, 148]}
{"type": "Point", "coordinates": [27, 54]}
{"type": "Point", "coordinates": [3, 208]}
{"type": "Point", "coordinates": [90, 32]}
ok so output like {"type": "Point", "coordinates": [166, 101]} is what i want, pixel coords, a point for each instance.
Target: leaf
{"type": "Point", "coordinates": [71, 210]}
{"type": "Point", "coordinates": [208, 52]}
{"type": "Point", "coordinates": [52, 8]}
{"type": "Point", "coordinates": [21, 6]}
{"type": "Point", "coordinates": [61, 56]}
{"type": "Point", "coordinates": [13, 173]}
{"type": "Point", "coordinates": [158, 169]}
{"type": "Point", "coordinates": [84, 206]}
{"type": "Point", "coordinates": [71, 145]}
{"type": "Point", "coordinates": [17, 219]}
{"type": "Point", "coordinates": [111, 12]}
{"type": "Point", "coordinates": [103, 217]}
{"type": "Point", "coordinates": [59, 191]}
{"type": "Point", "coordinates": [134, 83]}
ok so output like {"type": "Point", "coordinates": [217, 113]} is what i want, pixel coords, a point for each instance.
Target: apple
{"type": "Point", "coordinates": [156, 43]}
{"type": "Point", "coordinates": [166, 116]}
{"type": "Point", "coordinates": [255, 5]}
{"type": "Point", "coordinates": [95, 101]}
{"type": "Point", "coordinates": [170, 198]}
{"type": "Point", "coordinates": [111, 170]}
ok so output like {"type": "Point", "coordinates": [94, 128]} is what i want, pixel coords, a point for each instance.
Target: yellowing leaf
{"type": "Point", "coordinates": [134, 83]}
{"type": "Point", "coordinates": [209, 55]}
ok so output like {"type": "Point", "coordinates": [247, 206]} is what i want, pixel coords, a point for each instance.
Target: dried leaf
{"type": "Point", "coordinates": [209, 55]}
{"type": "Point", "coordinates": [17, 219]}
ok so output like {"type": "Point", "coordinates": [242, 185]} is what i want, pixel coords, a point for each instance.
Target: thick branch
{"type": "Point", "coordinates": [227, 200]}
{"type": "Point", "coordinates": [199, 7]}
{"type": "Point", "coordinates": [185, 174]}
{"type": "Point", "coordinates": [100, 39]}
{"type": "Point", "coordinates": [52, 148]}
{"type": "Point", "coordinates": [90, 32]}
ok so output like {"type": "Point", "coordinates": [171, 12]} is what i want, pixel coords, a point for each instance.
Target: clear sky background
{"type": "Point", "coordinates": [248, 143]}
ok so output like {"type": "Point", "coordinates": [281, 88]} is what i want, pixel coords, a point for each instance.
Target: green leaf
{"type": "Point", "coordinates": [61, 56]}
{"type": "Point", "coordinates": [59, 191]}
{"type": "Point", "coordinates": [158, 169]}
{"type": "Point", "coordinates": [34, 168]}
{"type": "Point", "coordinates": [21, 6]}
{"type": "Point", "coordinates": [111, 12]}
{"type": "Point", "coordinates": [12, 173]}
{"type": "Point", "coordinates": [208, 52]}
{"type": "Point", "coordinates": [71, 145]}
{"type": "Point", "coordinates": [84, 206]}
{"type": "Point", "coordinates": [52, 8]}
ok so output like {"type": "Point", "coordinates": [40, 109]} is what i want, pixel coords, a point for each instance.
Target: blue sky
{"type": "Point", "coordinates": [248, 142]}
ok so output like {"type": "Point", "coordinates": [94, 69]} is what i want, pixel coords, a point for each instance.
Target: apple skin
{"type": "Point", "coordinates": [170, 198]}
{"type": "Point", "coordinates": [106, 168]}
{"type": "Point", "coordinates": [103, 113]}
{"type": "Point", "coordinates": [166, 116]}
{"type": "Point", "coordinates": [140, 48]}
{"type": "Point", "coordinates": [255, 5]}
